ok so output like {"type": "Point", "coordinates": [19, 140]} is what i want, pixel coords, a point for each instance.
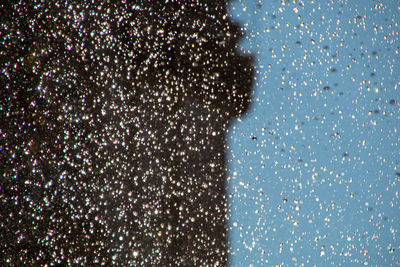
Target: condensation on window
{"type": "Point", "coordinates": [113, 117]}
{"type": "Point", "coordinates": [314, 167]}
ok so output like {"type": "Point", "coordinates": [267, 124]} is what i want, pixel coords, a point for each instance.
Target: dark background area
{"type": "Point", "coordinates": [112, 122]}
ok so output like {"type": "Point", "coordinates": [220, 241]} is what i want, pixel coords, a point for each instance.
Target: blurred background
{"type": "Point", "coordinates": [314, 167]}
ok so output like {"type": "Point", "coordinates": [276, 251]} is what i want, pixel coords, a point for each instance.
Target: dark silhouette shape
{"type": "Point", "coordinates": [113, 121]}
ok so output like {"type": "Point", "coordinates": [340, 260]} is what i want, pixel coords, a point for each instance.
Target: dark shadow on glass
{"type": "Point", "coordinates": [113, 123]}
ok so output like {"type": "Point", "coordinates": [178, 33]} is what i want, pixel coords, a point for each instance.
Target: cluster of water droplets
{"type": "Point", "coordinates": [314, 167]}
{"type": "Point", "coordinates": [112, 128]}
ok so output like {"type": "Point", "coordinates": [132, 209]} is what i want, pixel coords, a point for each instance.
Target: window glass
{"type": "Point", "coordinates": [314, 167]}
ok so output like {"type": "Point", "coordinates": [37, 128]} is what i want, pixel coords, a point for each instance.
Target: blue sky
{"type": "Point", "coordinates": [314, 167]}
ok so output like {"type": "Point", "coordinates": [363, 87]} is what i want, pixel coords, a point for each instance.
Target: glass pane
{"type": "Point", "coordinates": [113, 118]}
{"type": "Point", "coordinates": [314, 167]}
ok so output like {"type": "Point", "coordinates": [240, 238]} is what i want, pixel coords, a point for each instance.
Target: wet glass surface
{"type": "Point", "coordinates": [112, 120]}
{"type": "Point", "coordinates": [314, 168]}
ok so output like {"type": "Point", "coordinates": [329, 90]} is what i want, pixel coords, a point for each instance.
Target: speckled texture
{"type": "Point", "coordinates": [112, 124]}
